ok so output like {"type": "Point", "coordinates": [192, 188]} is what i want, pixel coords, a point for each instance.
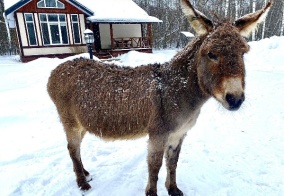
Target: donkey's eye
{"type": "Point", "coordinates": [212, 56]}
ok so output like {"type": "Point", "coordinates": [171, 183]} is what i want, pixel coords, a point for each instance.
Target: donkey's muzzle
{"type": "Point", "coordinates": [235, 101]}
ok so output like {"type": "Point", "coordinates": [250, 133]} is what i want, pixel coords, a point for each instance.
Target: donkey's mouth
{"type": "Point", "coordinates": [230, 101]}
{"type": "Point", "coordinates": [234, 108]}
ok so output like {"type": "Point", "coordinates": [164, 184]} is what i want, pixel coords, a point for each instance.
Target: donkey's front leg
{"type": "Point", "coordinates": [155, 159]}
{"type": "Point", "coordinates": [172, 155]}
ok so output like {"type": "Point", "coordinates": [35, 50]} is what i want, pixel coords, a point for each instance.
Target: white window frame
{"type": "Point", "coordinates": [27, 30]}
{"type": "Point", "coordinates": [56, 6]}
{"type": "Point", "coordinates": [59, 29]}
{"type": "Point", "coordinates": [79, 28]}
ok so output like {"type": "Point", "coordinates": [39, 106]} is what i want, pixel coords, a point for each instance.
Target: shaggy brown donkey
{"type": "Point", "coordinates": [162, 100]}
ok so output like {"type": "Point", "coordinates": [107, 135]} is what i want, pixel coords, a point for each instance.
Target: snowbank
{"type": "Point", "coordinates": [226, 153]}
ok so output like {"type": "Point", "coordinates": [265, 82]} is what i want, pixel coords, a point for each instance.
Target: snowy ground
{"type": "Point", "coordinates": [236, 154]}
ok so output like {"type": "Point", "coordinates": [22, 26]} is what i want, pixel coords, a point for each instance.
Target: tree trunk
{"type": "Point", "coordinates": [8, 33]}
{"type": "Point", "coordinates": [253, 10]}
{"type": "Point", "coordinates": [264, 24]}
{"type": "Point", "coordinates": [282, 25]}
{"type": "Point", "coordinates": [236, 9]}
{"type": "Point", "coordinates": [226, 7]}
{"type": "Point", "coordinates": [4, 49]}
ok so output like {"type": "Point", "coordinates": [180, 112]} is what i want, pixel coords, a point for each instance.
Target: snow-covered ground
{"type": "Point", "coordinates": [239, 153]}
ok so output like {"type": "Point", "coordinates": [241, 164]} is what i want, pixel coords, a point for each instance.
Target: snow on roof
{"type": "Point", "coordinates": [107, 10]}
{"type": "Point", "coordinates": [187, 34]}
{"type": "Point", "coordinates": [9, 3]}
{"type": "Point", "coordinates": [117, 11]}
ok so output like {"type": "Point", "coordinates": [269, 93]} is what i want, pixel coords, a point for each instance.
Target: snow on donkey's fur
{"type": "Point", "coordinates": [162, 100]}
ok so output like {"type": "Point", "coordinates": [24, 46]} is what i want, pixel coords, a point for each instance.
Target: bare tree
{"type": "Point", "coordinates": [226, 7]}
{"type": "Point", "coordinates": [236, 9]}
{"type": "Point", "coordinates": [3, 32]}
{"type": "Point", "coordinates": [263, 27]}
{"type": "Point", "coordinates": [253, 10]}
{"type": "Point", "coordinates": [167, 34]}
{"type": "Point", "coordinates": [8, 37]}
{"type": "Point", "coordinates": [282, 26]}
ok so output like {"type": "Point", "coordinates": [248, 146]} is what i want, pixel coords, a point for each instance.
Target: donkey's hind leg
{"type": "Point", "coordinates": [83, 132]}
{"type": "Point", "coordinates": [74, 138]}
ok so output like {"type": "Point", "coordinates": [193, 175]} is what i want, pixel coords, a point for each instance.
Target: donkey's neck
{"type": "Point", "coordinates": [183, 93]}
{"type": "Point", "coordinates": [187, 57]}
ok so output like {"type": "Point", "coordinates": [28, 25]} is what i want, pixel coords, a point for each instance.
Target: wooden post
{"type": "Point", "coordinates": [142, 36]}
{"type": "Point", "coordinates": [111, 37]}
{"type": "Point", "coordinates": [149, 29]}
{"type": "Point", "coordinates": [92, 28]}
{"type": "Point", "coordinates": [142, 33]}
{"type": "Point", "coordinates": [96, 30]}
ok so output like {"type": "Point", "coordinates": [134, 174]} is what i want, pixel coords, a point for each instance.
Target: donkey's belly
{"type": "Point", "coordinates": [119, 127]}
{"type": "Point", "coordinates": [115, 122]}
{"type": "Point", "coordinates": [119, 134]}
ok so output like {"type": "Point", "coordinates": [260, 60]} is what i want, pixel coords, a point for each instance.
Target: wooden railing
{"type": "Point", "coordinates": [130, 42]}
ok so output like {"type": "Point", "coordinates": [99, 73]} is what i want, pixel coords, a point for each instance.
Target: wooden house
{"type": "Point", "coordinates": [54, 28]}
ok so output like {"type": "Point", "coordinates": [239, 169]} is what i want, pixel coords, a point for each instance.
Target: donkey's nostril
{"type": "Point", "coordinates": [230, 99]}
{"type": "Point", "coordinates": [234, 101]}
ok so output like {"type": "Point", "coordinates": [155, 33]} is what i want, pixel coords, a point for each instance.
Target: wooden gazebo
{"type": "Point", "coordinates": [119, 26]}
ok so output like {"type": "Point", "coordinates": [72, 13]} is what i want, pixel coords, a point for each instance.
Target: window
{"type": "Point", "coordinates": [50, 4]}
{"type": "Point", "coordinates": [54, 29]}
{"type": "Point", "coordinates": [76, 29]}
{"type": "Point", "coordinates": [31, 29]}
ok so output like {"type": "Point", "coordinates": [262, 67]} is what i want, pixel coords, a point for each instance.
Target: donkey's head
{"type": "Point", "coordinates": [221, 70]}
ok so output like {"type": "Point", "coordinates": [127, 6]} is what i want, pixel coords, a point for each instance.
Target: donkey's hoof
{"type": "Point", "coordinates": [84, 186]}
{"type": "Point", "coordinates": [86, 173]}
{"type": "Point", "coordinates": [151, 193]}
{"type": "Point", "coordinates": [175, 192]}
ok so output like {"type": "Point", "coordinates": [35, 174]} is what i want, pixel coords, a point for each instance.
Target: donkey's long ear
{"type": "Point", "coordinates": [201, 24]}
{"type": "Point", "coordinates": [249, 22]}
